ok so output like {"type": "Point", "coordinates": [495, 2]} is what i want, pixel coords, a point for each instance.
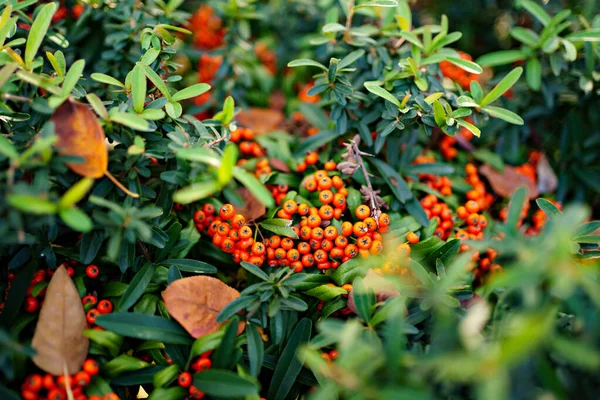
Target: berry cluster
{"type": "Point", "coordinates": [440, 183]}
{"type": "Point", "coordinates": [50, 387]}
{"type": "Point", "coordinates": [330, 355]}
{"type": "Point", "coordinates": [457, 74]}
{"type": "Point", "coordinates": [207, 28]}
{"type": "Point", "coordinates": [479, 193]}
{"type": "Point", "coordinates": [266, 56]}
{"type": "Point", "coordinates": [202, 363]}
{"type": "Point", "coordinates": [396, 261]}
{"type": "Point", "coordinates": [319, 242]}
{"type": "Point", "coordinates": [279, 192]}
{"type": "Point", "coordinates": [483, 266]}
{"type": "Point", "coordinates": [476, 223]}
{"type": "Point", "coordinates": [439, 213]}
{"type": "Point", "coordinates": [95, 308]}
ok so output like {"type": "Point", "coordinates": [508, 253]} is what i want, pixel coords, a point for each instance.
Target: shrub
{"type": "Point", "coordinates": [359, 190]}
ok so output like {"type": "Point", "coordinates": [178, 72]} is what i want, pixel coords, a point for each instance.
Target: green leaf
{"type": "Point", "coordinates": [377, 3]}
{"type": "Point", "coordinates": [439, 114]}
{"type": "Point", "coordinates": [189, 265]}
{"type": "Point", "coordinates": [279, 226]}
{"type": "Point", "coordinates": [226, 115]}
{"type": "Point", "coordinates": [136, 287]}
{"type": "Point", "coordinates": [466, 101]}
{"type": "Point", "coordinates": [72, 77]}
{"type": "Point", "coordinates": [257, 189]}
{"type": "Point", "coordinates": [375, 88]}
{"type": "Point", "coordinates": [533, 73]}
{"type": "Point", "coordinates": [97, 105]}
{"type": "Point", "coordinates": [526, 36]}
{"type": "Point", "coordinates": [192, 91]}
{"type": "Point", "coordinates": [165, 376]}
{"type": "Point", "coordinates": [490, 157]}
{"type": "Point", "coordinates": [364, 299]}
{"type": "Point", "coordinates": [8, 149]}
{"type": "Point", "coordinates": [587, 35]}
{"type": "Point", "coordinates": [228, 162]}
{"type": "Point", "coordinates": [501, 58]}
{"type": "Point", "coordinates": [433, 97]}
{"type": "Point", "coordinates": [144, 327]}
{"type": "Point", "coordinates": [468, 66]}
{"type": "Point", "coordinates": [396, 183]}
{"type": "Point", "coordinates": [157, 81]}
{"type": "Point", "coordinates": [256, 350]}
{"type": "Point", "coordinates": [224, 384]}
{"type": "Point", "coordinates": [289, 366]}
{"type": "Point", "coordinates": [76, 193]}
{"type": "Point", "coordinates": [476, 91]}
{"type": "Point", "coordinates": [174, 109]}
{"type": "Point", "coordinates": [411, 38]}
{"type": "Point", "coordinates": [107, 339]}
{"type": "Point", "coordinates": [123, 363]}
{"type": "Point", "coordinates": [131, 120]}
{"type": "Point", "coordinates": [304, 62]}
{"type": "Point", "coordinates": [504, 114]}
{"type": "Point", "coordinates": [333, 27]}
{"type": "Point", "coordinates": [37, 32]}
{"type": "Point", "coordinates": [577, 352]}
{"type": "Point", "coordinates": [172, 393]}
{"type": "Point", "coordinates": [350, 59]}
{"type": "Point", "coordinates": [195, 192]}
{"type": "Point", "coordinates": [548, 208]}
{"type": "Point", "coordinates": [517, 201]}
{"type": "Point", "coordinates": [505, 84]}
{"type": "Point", "coordinates": [537, 11]}
{"type": "Point", "coordinates": [326, 292]}
{"type": "Point", "coordinates": [254, 270]}
{"type": "Point", "coordinates": [234, 306]}
{"type": "Point", "coordinates": [31, 204]}
{"type": "Point", "coordinates": [138, 88]}
{"type": "Point", "coordinates": [109, 80]}
{"type": "Point", "coordinates": [76, 219]}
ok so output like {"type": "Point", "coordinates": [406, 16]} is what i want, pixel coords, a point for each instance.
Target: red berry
{"type": "Point", "coordinates": [185, 379]}
{"type": "Point", "coordinates": [91, 367]}
{"type": "Point", "coordinates": [92, 271]}
{"type": "Point", "coordinates": [105, 306]}
{"type": "Point", "coordinates": [82, 378]}
{"type": "Point", "coordinates": [31, 304]}
{"type": "Point", "coordinates": [89, 299]}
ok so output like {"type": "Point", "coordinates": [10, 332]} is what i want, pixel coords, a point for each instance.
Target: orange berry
{"type": "Point", "coordinates": [364, 242]}
{"type": "Point", "coordinates": [337, 213]}
{"type": "Point", "coordinates": [325, 183]}
{"type": "Point", "coordinates": [303, 209]}
{"type": "Point", "coordinates": [310, 184]}
{"type": "Point", "coordinates": [326, 212]}
{"type": "Point", "coordinates": [311, 158]}
{"type": "Point", "coordinates": [227, 211]}
{"type": "Point", "coordinates": [341, 242]}
{"type": "Point", "coordinates": [326, 196]}
{"type": "Point", "coordinates": [331, 232]}
{"type": "Point", "coordinates": [245, 232]}
{"type": "Point", "coordinates": [472, 206]}
{"type": "Point", "coordinates": [308, 260]}
{"type": "Point", "coordinates": [238, 221]}
{"type": "Point", "coordinates": [287, 243]}
{"type": "Point", "coordinates": [351, 250]}
{"type": "Point", "coordinates": [337, 182]}
{"type": "Point", "coordinates": [360, 229]}
{"type": "Point", "coordinates": [290, 207]}
{"type": "Point", "coordinates": [412, 238]}
{"type": "Point", "coordinates": [330, 166]}
{"type": "Point", "coordinates": [258, 249]}
{"type": "Point", "coordinates": [314, 221]}
{"type": "Point", "coordinates": [303, 248]}
{"type": "Point", "coordinates": [327, 245]}
{"type": "Point", "coordinates": [363, 211]}
{"type": "Point", "coordinates": [318, 233]}
{"type": "Point", "coordinates": [384, 220]}
{"type": "Point", "coordinates": [347, 228]}
{"type": "Point", "coordinates": [376, 247]}
{"type": "Point", "coordinates": [370, 223]}
{"type": "Point", "coordinates": [301, 167]}
{"type": "Point", "coordinates": [462, 212]}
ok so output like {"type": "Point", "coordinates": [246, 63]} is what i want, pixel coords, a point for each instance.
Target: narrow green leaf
{"type": "Point", "coordinates": [138, 88]}
{"type": "Point", "coordinates": [97, 105]}
{"type": "Point", "coordinates": [76, 219]}
{"type": "Point", "coordinates": [131, 120]}
{"type": "Point", "coordinates": [37, 32]}
{"type": "Point", "coordinates": [157, 81]}
{"type": "Point", "coordinates": [375, 88]}
{"type": "Point", "coordinates": [533, 73]}
{"type": "Point", "coordinates": [257, 189]}
{"type": "Point", "coordinates": [224, 384]}
{"type": "Point", "coordinates": [228, 161]}
{"type": "Point", "coordinates": [254, 270]}
{"type": "Point", "coordinates": [76, 193]}
{"type": "Point", "coordinates": [256, 350]}
{"type": "Point", "coordinates": [191, 91]}
{"type": "Point", "coordinates": [31, 204]}
{"type": "Point", "coordinates": [504, 114]}
{"type": "Point", "coordinates": [144, 327]}
{"type": "Point", "coordinates": [472, 128]}
{"type": "Point", "coordinates": [537, 11]}
{"type": "Point", "coordinates": [136, 287]}
{"type": "Point", "coordinates": [501, 58]}
{"type": "Point", "coordinates": [525, 36]}
{"type": "Point", "coordinates": [506, 83]}
{"type": "Point", "coordinates": [282, 227]}
{"type": "Point", "coordinates": [195, 192]}
{"type": "Point", "coordinates": [468, 66]}
{"type": "Point", "coordinates": [109, 80]}
{"type": "Point", "coordinates": [303, 62]}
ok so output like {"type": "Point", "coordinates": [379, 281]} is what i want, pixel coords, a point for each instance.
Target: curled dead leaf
{"type": "Point", "coordinates": [196, 301]}
{"type": "Point", "coordinates": [80, 134]}
{"type": "Point", "coordinates": [547, 180]}
{"type": "Point", "coordinates": [252, 208]}
{"type": "Point", "coordinates": [383, 288]}
{"type": "Point", "coordinates": [260, 120]}
{"type": "Point", "coordinates": [58, 339]}
{"type": "Point", "coordinates": [506, 182]}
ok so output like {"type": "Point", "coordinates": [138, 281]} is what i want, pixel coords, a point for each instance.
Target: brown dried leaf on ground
{"type": "Point", "coordinates": [260, 120]}
{"type": "Point", "coordinates": [252, 208]}
{"type": "Point", "coordinates": [506, 182]}
{"type": "Point", "coordinates": [58, 339]}
{"type": "Point", "coordinates": [80, 134]}
{"type": "Point", "coordinates": [196, 301]}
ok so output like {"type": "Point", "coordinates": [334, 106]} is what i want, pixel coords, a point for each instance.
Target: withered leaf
{"type": "Point", "coordinates": [80, 134]}
{"type": "Point", "coordinates": [260, 120]}
{"type": "Point", "coordinates": [58, 339]}
{"type": "Point", "coordinates": [547, 180]}
{"type": "Point", "coordinates": [196, 301]}
{"type": "Point", "coordinates": [252, 208]}
{"type": "Point", "coordinates": [279, 165]}
{"type": "Point", "coordinates": [506, 182]}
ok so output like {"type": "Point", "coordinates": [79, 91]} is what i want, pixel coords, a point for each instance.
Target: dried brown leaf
{"type": "Point", "coordinates": [195, 303]}
{"type": "Point", "coordinates": [252, 208]}
{"type": "Point", "coordinates": [506, 182]}
{"type": "Point", "coordinates": [58, 339]}
{"type": "Point", "coordinates": [260, 120]}
{"type": "Point", "coordinates": [547, 180]}
{"type": "Point", "coordinates": [80, 134]}
{"type": "Point", "coordinates": [279, 165]}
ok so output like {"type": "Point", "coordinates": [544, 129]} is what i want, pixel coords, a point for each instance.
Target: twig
{"type": "Point", "coordinates": [144, 251]}
{"type": "Point", "coordinates": [347, 36]}
{"type": "Point", "coordinates": [8, 96]}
